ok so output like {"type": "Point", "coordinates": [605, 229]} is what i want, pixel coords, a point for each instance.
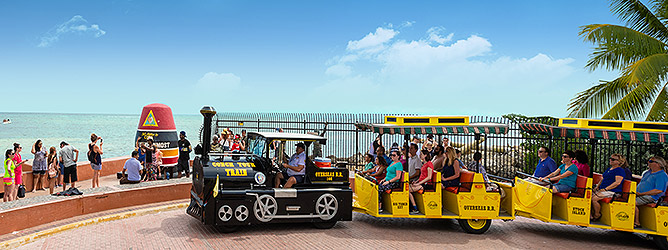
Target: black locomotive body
{"type": "Point", "coordinates": [232, 189]}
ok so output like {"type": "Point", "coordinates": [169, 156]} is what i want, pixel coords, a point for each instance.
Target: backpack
{"type": "Point", "coordinates": [91, 156]}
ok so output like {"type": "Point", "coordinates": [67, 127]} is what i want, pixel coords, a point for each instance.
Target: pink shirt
{"type": "Point", "coordinates": [18, 172]}
{"type": "Point", "coordinates": [583, 169]}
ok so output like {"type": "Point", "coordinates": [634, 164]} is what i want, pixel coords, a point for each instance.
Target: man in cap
{"type": "Point", "coordinates": [185, 148]}
{"type": "Point", "coordinates": [295, 169]}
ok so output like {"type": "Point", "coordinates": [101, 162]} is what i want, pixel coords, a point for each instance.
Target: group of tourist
{"type": "Point", "coordinates": [650, 189]}
{"type": "Point", "coordinates": [50, 169]}
{"type": "Point", "coordinates": [421, 164]}
{"type": "Point", "coordinates": [228, 141]}
{"type": "Point", "coordinates": [146, 162]}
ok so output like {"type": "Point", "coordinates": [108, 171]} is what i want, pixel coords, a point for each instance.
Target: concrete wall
{"type": "Point", "coordinates": [39, 214]}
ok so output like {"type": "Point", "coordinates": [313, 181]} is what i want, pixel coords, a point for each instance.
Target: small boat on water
{"type": "Point", "coordinates": [6, 121]}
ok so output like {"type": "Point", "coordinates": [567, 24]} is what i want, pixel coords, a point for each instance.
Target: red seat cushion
{"type": "Point", "coordinates": [651, 205]}
{"type": "Point", "coordinates": [607, 200]}
{"type": "Point", "coordinates": [452, 189]}
{"type": "Point", "coordinates": [562, 195]}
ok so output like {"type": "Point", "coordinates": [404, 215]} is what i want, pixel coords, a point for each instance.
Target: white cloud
{"type": "Point", "coordinates": [463, 76]}
{"type": "Point", "coordinates": [76, 25]}
{"type": "Point", "coordinates": [218, 81]}
{"type": "Point", "coordinates": [372, 42]}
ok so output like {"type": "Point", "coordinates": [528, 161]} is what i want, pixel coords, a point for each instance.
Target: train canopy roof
{"type": "Point", "coordinates": [289, 136]}
{"type": "Point", "coordinates": [592, 133]}
{"type": "Point", "coordinates": [473, 128]}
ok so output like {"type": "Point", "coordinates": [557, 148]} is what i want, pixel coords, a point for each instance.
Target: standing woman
{"type": "Point", "coordinates": [451, 169]}
{"type": "Point", "coordinates": [39, 166]}
{"type": "Point", "coordinates": [157, 159]}
{"type": "Point", "coordinates": [52, 160]}
{"type": "Point", "coordinates": [95, 158]}
{"type": "Point", "coordinates": [18, 171]}
{"type": "Point", "coordinates": [8, 178]}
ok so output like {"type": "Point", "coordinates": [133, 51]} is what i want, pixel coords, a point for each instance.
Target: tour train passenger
{"type": "Point", "coordinates": [609, 185]}
{"type": "Point", "coordinates": [425, 176]}
{"type": "Point", "coordinates": [414, 162]}
{"type": "Point", "coordinates": [380, 170]}
{"type": "Point", "coordinates": [566, 174]}
{"type": "Point", "coordinates": [368, 158]}
{"type": "Point", "coordinates": [458, 153]}
{"type": "Point", "coordinates": [546, 165]}
{"type": "Point", "coordinates": [380, 152]}
{"type": "Point", "coordinates": [582, 162]}
{"type": "Point", "coordinates": [392, 177]}
{"type": "Point", "coordinates": [652, 185]}
{"type": "Point", "coordinates": [438, 158]}
{"type": "Point", "coordinates": [451, 169]}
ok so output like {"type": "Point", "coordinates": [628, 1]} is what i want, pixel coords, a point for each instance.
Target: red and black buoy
{"type": "Point", "coordinates": [157, 121]}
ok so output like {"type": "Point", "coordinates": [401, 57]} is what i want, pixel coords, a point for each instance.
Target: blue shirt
{"type": "Point", "coordinates": [570, 180]}
{"type": "Point", "coordinates": [545, 167]}
{"type": "Point", "coordinates": [296, 160]}
{"type": "Point", "coordinates": [133, 166]}
{"type": "Point", "coordinates": [392, 170]}
{"type": "Point", "coordinates": [609, 177]}
{"type": "Point", "coordinates": [651, 181]}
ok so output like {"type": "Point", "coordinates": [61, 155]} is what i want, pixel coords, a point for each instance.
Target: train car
{"type": "Point", "coordinates": [471, 203]}
{"type": "Point", "coordinates": [232, 189]}
{"type": "Point", "coordinates": [538, 201]}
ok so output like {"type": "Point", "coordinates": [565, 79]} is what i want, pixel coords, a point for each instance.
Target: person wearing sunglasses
{"type": "Point", "coordinates": [609, 185]}
{"type": "Point", "coordinates": [392, 176]}
{"type": "Point", "coordinates": [546, 165]}
{"type": "Point", "coordinates": [565, 175]}
{"type": "Point", "coordinates": [652, 185]}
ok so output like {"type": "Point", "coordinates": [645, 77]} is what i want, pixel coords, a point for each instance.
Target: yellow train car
{"type": "Point", "coordinates": [470, 203]}
{"type": "Point", "coordinates": [535, 201]}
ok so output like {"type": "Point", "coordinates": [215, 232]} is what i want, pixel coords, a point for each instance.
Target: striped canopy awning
{"type": "Point", "coordinates": [587, 133]}
{"type": "Point", "coordinates": [473, 128]}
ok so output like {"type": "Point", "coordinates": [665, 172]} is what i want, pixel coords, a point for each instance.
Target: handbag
{"type": "Point", "coordinates": [22, 191]}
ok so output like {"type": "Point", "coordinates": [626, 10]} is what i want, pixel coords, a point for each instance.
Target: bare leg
{"type": "Point", "coordinates": [291, 181]}
{"type": "Point", "coordinates": [597, 206]}
{"type": "Point", "coordinates": [637, 219]}
{"type": "Point", "coordinates": [277, 180]}
{"type": "Point", "coordinates": [35, 179]}
{"type": "Point", "coordinates": [45, 181]}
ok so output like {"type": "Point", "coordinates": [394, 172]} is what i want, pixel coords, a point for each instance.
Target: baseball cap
{"type": "Point", "coordinates": [183, 133]}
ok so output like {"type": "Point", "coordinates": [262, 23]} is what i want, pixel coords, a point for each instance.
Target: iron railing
{"type": "Point", "coordinates": [503, 155]}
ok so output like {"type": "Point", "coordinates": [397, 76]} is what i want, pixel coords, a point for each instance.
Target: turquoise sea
{"type": "Point", "coordinates": [118, 131]}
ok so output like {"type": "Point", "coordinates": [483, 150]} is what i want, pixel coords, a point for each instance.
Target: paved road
{"type": "Point", "coordinates": [177, 230]}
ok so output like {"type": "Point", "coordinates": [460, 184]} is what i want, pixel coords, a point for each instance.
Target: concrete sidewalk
{"type": "Point", "coordinates": [107, 183]}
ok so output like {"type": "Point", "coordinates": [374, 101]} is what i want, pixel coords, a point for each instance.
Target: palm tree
{"type": "Point", "coordinates": [639, 51]}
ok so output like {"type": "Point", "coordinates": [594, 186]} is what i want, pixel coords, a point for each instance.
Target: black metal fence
{"type": "Point", "coordinates": [503, 154]}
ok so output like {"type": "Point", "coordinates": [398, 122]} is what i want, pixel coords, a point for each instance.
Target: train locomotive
{"type": "Point", "coordinates": [232, 189]}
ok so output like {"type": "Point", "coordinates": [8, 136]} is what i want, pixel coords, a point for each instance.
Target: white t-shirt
{"type": "Point", "coordinates": [413, 164]}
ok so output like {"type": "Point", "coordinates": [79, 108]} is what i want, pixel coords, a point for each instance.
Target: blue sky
{"type": "Point", "coordinates": [429, 57]}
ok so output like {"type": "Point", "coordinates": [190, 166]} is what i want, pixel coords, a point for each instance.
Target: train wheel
{"type": "Point", "coordinates": [660, 241]}
{"type": "Point", "coordinates": [227, 229]}
{"type": "Point", "coordinates": [475, 226]}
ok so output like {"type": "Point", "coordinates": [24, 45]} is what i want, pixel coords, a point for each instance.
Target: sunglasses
{"type": "Point", "coordinates": [393, 155]}
{"type": "Point", "coordinates": [541, 151]}
{"type": "Point", "coordinates": [613, 159]}
{"type": "Point", "coordinates": [566, 156]}
{"type": "Point", "coordinates": [651, 161]}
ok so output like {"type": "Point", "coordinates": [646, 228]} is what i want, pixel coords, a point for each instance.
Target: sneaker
{"type": "Point", "coordinates": [414, 212]}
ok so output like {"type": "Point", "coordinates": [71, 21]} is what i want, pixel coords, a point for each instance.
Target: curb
{"type": "Point", "coordinates": [14, 243]}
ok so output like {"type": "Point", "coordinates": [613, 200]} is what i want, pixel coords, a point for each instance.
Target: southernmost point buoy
{"type": "Point", "coordinates": [157, 121]}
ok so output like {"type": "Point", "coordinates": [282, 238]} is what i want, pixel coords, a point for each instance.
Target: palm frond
{"type": "Point", "coordinates": [635, 103]}
{"type": "Point", "coordinates": [598, 99]}
{"type": "Point", "coordinates": [652, 69]}
{"type": "Point", "coordinates": [618, 46]}
{"type": "Point", "coordinates": [659, 110]}
{"type": "Point", "coordinates": [660, 9]}
{"type": "Point", "coordinates": [640, 18]}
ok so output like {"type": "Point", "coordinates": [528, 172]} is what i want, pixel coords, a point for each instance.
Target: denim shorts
{"type": "Point", "coordinates": [95, 166]}
{"type": "Point", "coordinates": [562, 188]}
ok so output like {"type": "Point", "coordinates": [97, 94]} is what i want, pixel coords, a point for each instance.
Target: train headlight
{"type": "Point", "coordinates": [260, 178]}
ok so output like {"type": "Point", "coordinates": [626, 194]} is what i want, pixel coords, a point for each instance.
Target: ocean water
{"type": "Point", "coordinates": [118, 131]}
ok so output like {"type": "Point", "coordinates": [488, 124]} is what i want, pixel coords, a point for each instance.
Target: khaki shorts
{"type": "Point", "coordinates": [604, 194]}
{"type": "Point", "coordinates": [644, 200]}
